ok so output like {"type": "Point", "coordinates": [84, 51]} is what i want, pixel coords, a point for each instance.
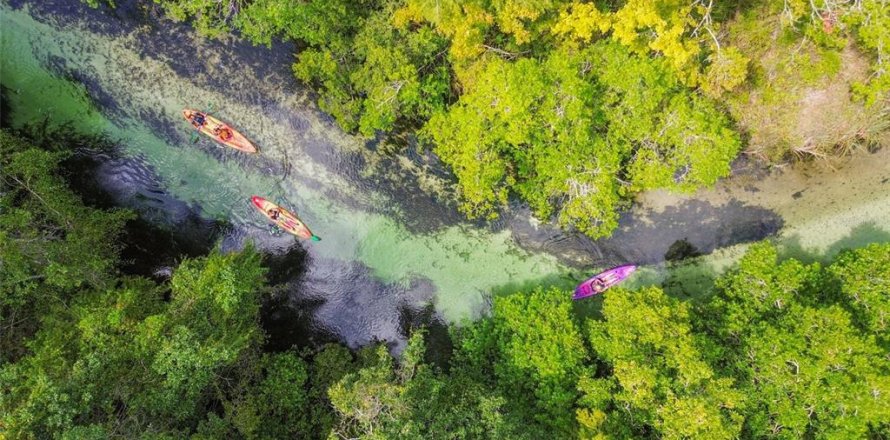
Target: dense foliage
{"type": "Point", "coordinates": [576, 106]}
{"type": "Point", "coordinates": [51, 246]}
{"type": "Point", "coordinates": [88, 352]}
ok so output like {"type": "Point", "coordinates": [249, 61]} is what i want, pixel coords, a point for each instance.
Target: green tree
{"type": "Point", "coordinates": [370, 402]}
{"type": "Point", "coordinates": [212, 320]}
{"type": "Point", "coordinates": [274, 401]}
{"type": "Point", "coordinates": [661, 375]}
{"type": "Point", "coordinates": [761, 288]}
{"type": "Point", "coordinates": [530, 127]}
{"type": "Point", "coordinates": [412, 399]}
{"type": "Point", "coordinates": [577, 134]}
{"type": "Point", "coordinates": [315, 23]}
{"type": "Point", "coordinates": [812, 371]}
{"type": "Point", "coordinates": [531, 353]}
{"type": "Point", "coordinates": [831, 23]}
{"type": "Point", "coordinates": [52, 247]}
{"type": "Point", "coordinates": [210, 17]}
{"type": "Point", "coordinates": [560, 103]}
{"type": "Point", "coordinates": [864, 276]}
{"type": "Point", "coordinates": [871, 21]}
{"type": "Point", "coordinates": [384, 76]}
{"type": "Point", "coordinates": [124, 360]}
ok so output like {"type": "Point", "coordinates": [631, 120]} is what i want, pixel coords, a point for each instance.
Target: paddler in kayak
{"type": "Point", "coordinates": [198, 120]}
{"type": "Point", "coordinates": [283, 218]}
{"type": "Point", "coordinates": [223, 132]}
{"type": "Point", "coordinates": [275, 213]}
{"type": "Point", "coordinates": [218, 130]}
{"type": "Point", "coordinates": [598, 285]}
{"type": "Point", "coordinates": [603, 281]}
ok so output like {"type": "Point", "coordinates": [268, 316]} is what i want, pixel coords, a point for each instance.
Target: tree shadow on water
{"type": "Point", "coordinates": [288, 323]}
{"type": "Point", "coordinates": [861, 235]}
{"type": "Point", "coordinates": [690, 280]}
{"type": "Point", "coordinates": [694, 227]}
{"type": "Point", "coordinates": [288, 320]}
{"type": "Point", "coordinates": [439, 346]}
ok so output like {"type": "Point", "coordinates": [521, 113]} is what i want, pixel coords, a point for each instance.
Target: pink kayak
{"type": "Point", "coordinates": [603, 280]}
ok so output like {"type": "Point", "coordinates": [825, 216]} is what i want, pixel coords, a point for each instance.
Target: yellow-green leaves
{"type": "Point", "coordinates": [582, 21]}
{"type": "Point", "coordinates": [518, 17]}
{"type": "Point", "coordinates": [727, 69]}
{"type": "Point", "coordinates": [463, 23]}
{"type": "Point", "coordinates": [529, 127]}
{"type": "Point", "coordinates": [659, 26]}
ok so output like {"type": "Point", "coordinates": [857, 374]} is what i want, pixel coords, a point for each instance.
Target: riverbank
{"type": "Point", "coordinates": [824, 207]}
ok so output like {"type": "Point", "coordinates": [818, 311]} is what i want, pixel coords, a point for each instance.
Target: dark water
{"type": "Point", "coordinates": [394, 253]}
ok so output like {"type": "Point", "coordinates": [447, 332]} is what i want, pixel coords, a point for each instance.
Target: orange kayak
{"type": "Point", "coordinates": [220, 131]}
{"type": "Point", "coordinates": [285, 219]}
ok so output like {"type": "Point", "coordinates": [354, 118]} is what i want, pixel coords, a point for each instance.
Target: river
{"type": "Point", "coordinates": [392, 241]}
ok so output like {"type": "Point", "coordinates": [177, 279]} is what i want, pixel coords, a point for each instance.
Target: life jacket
{"type": "Point", "coordinates": [225, 134]}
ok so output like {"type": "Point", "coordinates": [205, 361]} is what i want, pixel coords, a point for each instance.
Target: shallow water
{"type": "Point", "coordinates": [70, 63]}
{"type": "Point", "coordinates": [391, 238]}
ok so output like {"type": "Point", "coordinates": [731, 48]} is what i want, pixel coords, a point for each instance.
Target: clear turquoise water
{"type": "Point", "coordinates": [368, 264]}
